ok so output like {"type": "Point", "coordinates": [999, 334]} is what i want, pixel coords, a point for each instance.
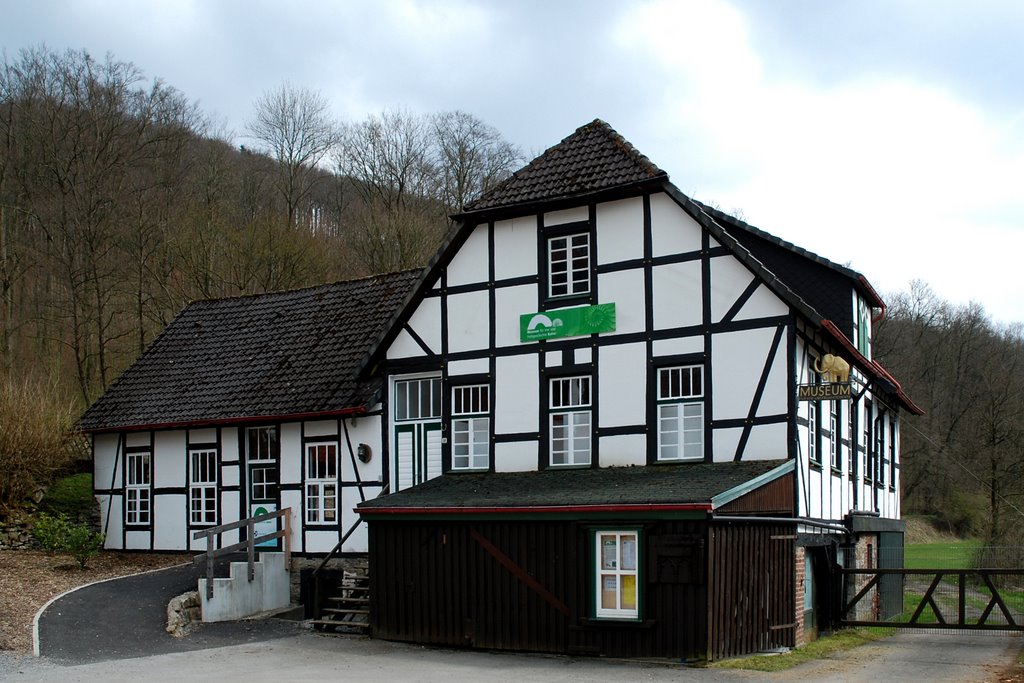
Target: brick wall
{"type": "Point", "coordinates": [799, 600]}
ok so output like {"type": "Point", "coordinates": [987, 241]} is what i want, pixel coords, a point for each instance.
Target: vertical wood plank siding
{"type": "Point", "coordinates": [751, 586]}
{"type": "Point", "coordinates": [433, 583]}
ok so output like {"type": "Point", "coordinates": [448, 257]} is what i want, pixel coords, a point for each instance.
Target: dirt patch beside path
{"type": "Point", "coordinates": [29, 578]}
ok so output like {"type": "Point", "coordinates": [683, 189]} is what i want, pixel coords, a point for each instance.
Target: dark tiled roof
{"type": "Point", "coordinates": [269, 355]}
{"type": "Point", "coordinates": [593, 159]}
{"type": "Point", "coordinates": [669, 484]}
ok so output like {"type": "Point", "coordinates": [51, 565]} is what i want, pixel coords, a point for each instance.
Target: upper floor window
{"type": "Point", "coordinates": [202, 480]}
{"type": "Point", "coordinates": [137, 494]}
{"type": "Point", "coordinates": [471, 427]}
{"type": "Point", "coordinates": [681, 413]}
{"type": "Point", "coordinates": [418, 399]}
{"type": "Point", "coordinates": [569, 403]}
{"type": "Point", "coordinates": [892, 453]}
{"type": "Point", "coordinates": [569, 265]}
{"type": "Point", "coordinates": [321, 483]}
{"type": "Point", "coordinates": [835, 436]}
{"type": "Point", "coordinates": [262, 443]}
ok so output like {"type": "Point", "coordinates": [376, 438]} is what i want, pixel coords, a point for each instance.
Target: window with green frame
{"type": "Point", "coordinates": [617, 574]}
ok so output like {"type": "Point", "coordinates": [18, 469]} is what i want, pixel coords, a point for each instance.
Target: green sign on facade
{"type": "Point", "coordinates": [567, 322]}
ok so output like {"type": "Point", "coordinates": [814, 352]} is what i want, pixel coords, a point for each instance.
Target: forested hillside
{"type": "Point", "coordinates": [120, 202]}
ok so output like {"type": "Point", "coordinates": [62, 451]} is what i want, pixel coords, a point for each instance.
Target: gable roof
{"type": "Point", "coordinates": [256, 357]}
{"type": "Point", "coordinates": [696, 485]}
{"type": "Point", "coordinates": [593, 159]}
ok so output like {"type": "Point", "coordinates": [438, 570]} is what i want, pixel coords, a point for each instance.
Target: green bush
{"type": "Point", "coordinates": [50, 532]}
{"type": "Point", "coordinates": [57, 534]}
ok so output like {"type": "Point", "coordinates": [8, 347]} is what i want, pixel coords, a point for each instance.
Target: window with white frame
{"type": "Point", "coordinates": [136, 491]}
{"type": "Point", "coordinates": [202, 486]}
{"type": "Point", "coordinates": [321, 483]}
{"type": "Point", "coordinates": [892, 453]}
{"type": "Point", "coordinates": [471, 427]}
{"type": "Point", "coordinates": [569, 265]}
{"type": "Point", "coordinates": [262, 443]}
{"type": "Point", "coordinates": [681, 413]}
{"type": "Point", "coordinates": [569, 402]}
{"type": "Point", "coordinates": [835, 437]}
{"type": "Point", "coordinates": [879, 449]}
{"type": "Point", "coordinates": [417, 399]}
{"type": "Point", "coordinates": [617, 574]}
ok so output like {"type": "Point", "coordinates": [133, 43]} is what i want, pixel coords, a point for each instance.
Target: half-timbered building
{"type": "Point", "coordinates": [608, 419]}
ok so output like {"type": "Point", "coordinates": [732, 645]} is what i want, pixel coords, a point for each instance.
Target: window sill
{"type": "Point", "coordinates": [816, 466]}
{"type": "Point", "coordinates": [469, 470]}
{"type": "Point", "coordinates": [678, 461]}
{"type": "Point", "coordinates": [573, 466]}
{"type": "Point", "coordinates": [836, 472]}
{"type": "Point", "coordinates": [626, 622]}
{"type": "Point", "coordinates": [567, 301]}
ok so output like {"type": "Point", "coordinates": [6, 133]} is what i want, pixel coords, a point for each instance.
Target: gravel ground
{"type": "Point", "coordinates": [29, 578]}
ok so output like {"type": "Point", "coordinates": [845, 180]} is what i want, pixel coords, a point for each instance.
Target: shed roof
{"type": "Point", "coordinates": [687, 483]}
{"type": "Point", "coordinates": [256, 357]}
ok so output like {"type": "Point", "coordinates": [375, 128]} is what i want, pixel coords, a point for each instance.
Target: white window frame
{"type": "Point", "coordinates": [619, 572]}
{"type": "Point", "coordinates": [568, 272]}
{"type": "Point", "coordinates": [264, 450]}
{"type": "Point", "coordinates": [202, 486]}
{"type": "Point", "coordinates": [471, 427]}
{"type": "Point", "coordinates": [680, 399]}
{"type": "Point", "coordinates": [570, 421]}
{"type": "Point", "coordinates": [835, 437]}
{"type": "Point", "coordinates": [322, 482]}
{"type": "Point", "coordinates": [137, 493]}
{"type": "Point", "coordinates": [417, 398]}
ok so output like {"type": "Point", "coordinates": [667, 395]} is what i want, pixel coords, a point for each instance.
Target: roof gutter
{"type": "Point", "coordinates": [536, 509]}
{"type": "Point", "coordinates": [344, 412]}
{"type": "Point", "coordinates": [781, 520]}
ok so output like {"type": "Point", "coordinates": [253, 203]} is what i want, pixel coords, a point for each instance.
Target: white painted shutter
{"type": "Point", "coordinates": [404, 445]}
{"type": "Point", "coordinates": [433, 451]}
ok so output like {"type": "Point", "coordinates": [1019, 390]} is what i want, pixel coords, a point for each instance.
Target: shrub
{"type": "Point", "coordinates": [57, 534]}
{"type": "Point", "coordinates": [50, 532]}
{"type": "Point", "coordinates": [37, 437]}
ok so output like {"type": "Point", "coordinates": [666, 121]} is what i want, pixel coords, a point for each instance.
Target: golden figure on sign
{"type": "Point", "coordinates": [832, 368]}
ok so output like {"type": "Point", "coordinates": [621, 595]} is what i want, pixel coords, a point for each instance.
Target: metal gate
{"type": "Point", "coordinates": [974, 599]}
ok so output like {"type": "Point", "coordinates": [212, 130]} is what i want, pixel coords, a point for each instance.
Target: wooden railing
{"type": "Point", "coordinates": [250, 543]}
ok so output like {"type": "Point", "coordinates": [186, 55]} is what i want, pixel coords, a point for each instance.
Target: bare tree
{"type": "Point", "coordinates": [294, 127]}
{"type": "Point", "coordinates": [471, 157]}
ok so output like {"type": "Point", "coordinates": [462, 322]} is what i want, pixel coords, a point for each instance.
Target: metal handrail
{"type": "Point", "coordinates": [249, 543]}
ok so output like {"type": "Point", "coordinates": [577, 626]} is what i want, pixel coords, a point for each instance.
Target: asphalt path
{"type": "Point", "coordinates": [937, 658]}
{"type": "Point", "coordinates": [126, 618]}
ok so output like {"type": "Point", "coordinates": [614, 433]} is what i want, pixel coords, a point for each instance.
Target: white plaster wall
{"type": "Point", "coordinates": [766, 442]}
{"type": "Point", "coordinates": [404, 346]}
{"type": "Point", "coordinates": [775, 398]}
{"type": "Point", "coordinates": [678, 346]}
{"type": "Point", "coordinates": [318, 541]}
{"type": "Point", "coordinates": [814, 489]}
{"type": "Point", "coordinates": [321, 428]}
{"type": "Point", "coordinates": [229, 475]}
{"type": "Point", "coordinates": [169, 459]}
{"type": "Point", "coordinates": [620, 230]}
{"type": "Point", "coordinates": [625, 289]}
{"type": "Point", "coordinates": [105, 454]}
{"type": "Point", "coordinates": [291, 453]}
{"type": "Point", "coordinates": [552, 359]}
{"type": "Point", "coordinates": [738, 359]}
{"type": "Point", "coordinates": [583, 355]}
{"type": "Point", "coordinates": [623, 450]}
{"type": "Point", "coordinates": [111, 523]}
{"type": "Point", "coordinates": [515, 248]}
{"type": "Point", "coordinates": [516, 393]}
{"type": "Point", "coordinates": [762, 303]}
{"type": "Point", "coordinates": [136, 540]}
{"type": "Point", "coordinates": [573, 215]}
{"type": "Point", "coordinates": [515, 457]}
{"type": "Point", "coordinates": [468, 321]}
{"type": "Point", "coordinates": [229, 444]}
{"type": "Point", "coordinates": [676, 295]}
{"type": "Point", "coordinates": [293, 499]}
{"type": "Point", "coordinates": [472, 366]}
{"type": "Point", "coordinates": [723, 443]}
{"type": "Point", "coordinates": [362, 430]}
{"type": "Point", "coordinates": [426, 322]}
{"type": "Point", "coordinates": [207, 435]}
{"type": "Point", "coordinates": [729, 278]}
{"type": "Point", "coordinates": [622, 385]}
{"type": "Point", "coordinates": [133, 439]}
{"type": "Point", "coordinates": [509, 304]}
{"type": "Point", "coordinates": [672, 229]}
{"type": "Point", "coordinates": [470, 262]}
{"type": "Point", "coordinates": [170, 516]}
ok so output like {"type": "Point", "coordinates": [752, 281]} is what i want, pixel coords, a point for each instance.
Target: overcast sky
{"type": "Point", "coordinates": [886, 134]}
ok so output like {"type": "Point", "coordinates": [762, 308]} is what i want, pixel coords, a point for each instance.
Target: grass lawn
{"type": "Point", "coordinates": [940, 555]}
{"type": "Point", "coordinates": [821, 648]}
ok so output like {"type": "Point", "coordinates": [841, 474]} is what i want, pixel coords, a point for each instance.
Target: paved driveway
{"type": "Point", "coordinates": [310, 657]}
{"type": "Point", "coordinates": [126, 617]}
